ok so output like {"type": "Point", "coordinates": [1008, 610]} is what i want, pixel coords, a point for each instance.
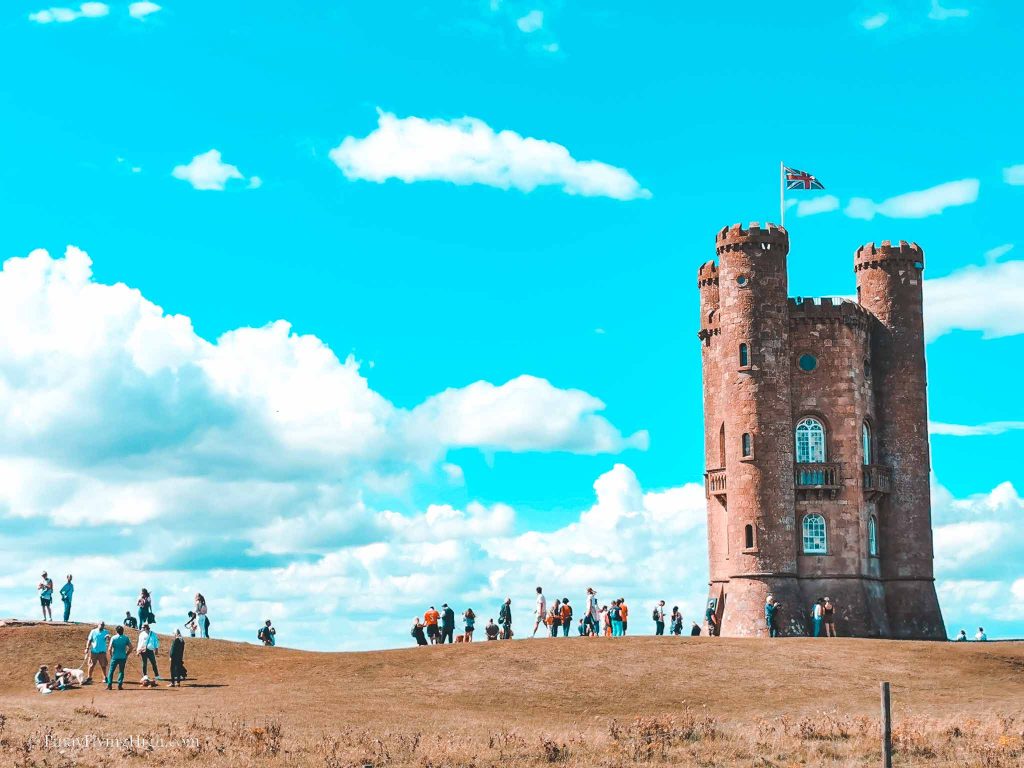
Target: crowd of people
{"type": "Point", "coordinates": [608, 620]}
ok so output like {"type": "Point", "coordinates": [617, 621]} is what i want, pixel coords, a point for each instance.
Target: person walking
{"type": "Point", "coordinates": [566, 611]}
{"type": "Point", "coordinates": [66, 593]}
{"type": "Point", "coordinates": [145, 605]}
{"type": "Point", "coordinates": [491, 630]}
{"type": "Point", "coordinates": [695, 630]}
{"type": "Point", "coordinates": [46, 596]}
{"type": "Point", "coordinates": [431, 618]}
{"type": "Point", "coordinates": [591, 616]}
{"type": "Point", "coordinates": [417, 631]}
{"type": "Point", "coordinates": [540, 614]}
{"type": "Point", "coordinates": [818, 615]}
{"type": "Point", "coordinates": [147, 648]}
{"type": "Point", "coordinates": [118, 649]}
{"type": "Point", "coordinates": [96, 650]}
{"type": "Point", "coordinates": [829, 617]}
{"type": "Point", "coordinates": [675, 622]}
{"type": "Point", "coordinates": [201, 617]}
{"type": "Point", "coordinates": [771, 615]}
{"type": "Point", "coordinates": [505, 619]}
{"type": "Point", "coordinates": [267, 634]}
{"type": "Point", "coordinates": [658, 614]}
{"type": "Point", "coordinates": [615, 617]}
{"type": "Point", "coordinates": [624, 611]}
{"type": "Point", "coordinates": [447, 624]}
{"type": "Point", "coordinates": [177, 660]}
{"type": "Point", "coordinates": [469, 621]}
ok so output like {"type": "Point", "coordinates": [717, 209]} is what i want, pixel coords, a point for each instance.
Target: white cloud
{"type": "Point", "coordinates": [468, 151]}
{"type": "Point", "coordinates": [917, 205]}
{"type": "Point", "coordinates": [531, 22]}
{"type": "Point", "coordinates": [255, 182]}
{"type": "Point", "coordinates": [974, 430]}
{"type": "Point", "coordinates": [454, 473]}
{"type": "Point", "coordinates": [65, 15]}
{"type": "Point", "coordinates": [143, 9]}
{"type": "Point", "coordinates": [876, 21]}
{"type": "Point", "coordinates": [994, 254]}
{"type": "Point", "coordinates": [814, 205]}
{"type": "Point", "coordinates": [939, 13]}
{"type": "Point", "coordinates": [976, 298]}
{"type": "Point", "coordinates": [208, 172]}
{"type": "Point", "coordinates": [1014, 175]}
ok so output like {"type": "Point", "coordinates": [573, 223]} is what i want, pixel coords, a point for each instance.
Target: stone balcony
{"type": "Point", "coordinates": [714, 483]}
{"type": "Point", "coordinates": [818, 479]}
{"type": "Point", "coordinates": [877, 480]}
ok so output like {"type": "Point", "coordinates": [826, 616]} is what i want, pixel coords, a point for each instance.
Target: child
{"type": "Point", "coordinates": [191, 625]}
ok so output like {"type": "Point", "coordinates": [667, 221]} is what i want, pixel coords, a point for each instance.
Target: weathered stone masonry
{"type": "Point", "coordinates": [853, 374]}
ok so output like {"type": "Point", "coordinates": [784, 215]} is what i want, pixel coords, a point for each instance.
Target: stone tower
{"type": "Point", "coordinates": [816, 442]}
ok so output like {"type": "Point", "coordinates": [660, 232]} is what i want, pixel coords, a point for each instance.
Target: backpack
{"type": "Point", "coordinates": [655, 616]}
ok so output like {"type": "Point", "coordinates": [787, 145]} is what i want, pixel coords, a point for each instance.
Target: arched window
{"type": "Point", "coordinates": [815, 539]}
{"type": "Point", "coordinates": [873, 536]}
{"type": "Point", "coordinates": [748, 536]}
{"type": "Point", "coordinates": [810, 441]}
{"type": "Point", "coordinates": [744, 355]}
{"type": "Point", "coordinates": [747, 445]}
{"type": "Point", "coordinates": [865, 441]}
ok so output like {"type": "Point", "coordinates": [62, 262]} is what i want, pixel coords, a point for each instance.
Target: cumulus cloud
{"type": "Point", "coordinates": [1014, 175]}
{"type": "Point", "coordinates": [468, 151]}
{"type": "Point", "coordinates": [65, 15]}
{"type": "Point", "coordinates": [815, 205]}
{"type": "Point", "coordinates": [875, 21]}
{"type": "Point", "coordinates": [940, 13]}
{"type": "Point", "coordinates": [531, 22]}
{"type": "Point", "coordinates": [916, 205]}
{"type": "Point", "coordinates": [976, 298]}
{"type": "Point", "coordinates": [143, 9]}
{"type": "Point", "coordinates": [209, 172]}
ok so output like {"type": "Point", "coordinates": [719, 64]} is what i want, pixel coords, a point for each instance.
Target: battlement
{"type": "Point", "coordinates": [707, 274]}
{"type": "Point", "coordinates": [735, 237]}
{"type": "Point", "coordinates": [871, 255]}
{"type": "Point", "coordinates": [826, 308]}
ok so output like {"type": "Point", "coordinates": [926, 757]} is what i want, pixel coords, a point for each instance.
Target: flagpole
{"type": "Point", "coordinates": [782, 193]}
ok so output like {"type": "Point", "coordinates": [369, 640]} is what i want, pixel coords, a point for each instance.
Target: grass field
{"type": "Point", "coordinates": [574, 702]}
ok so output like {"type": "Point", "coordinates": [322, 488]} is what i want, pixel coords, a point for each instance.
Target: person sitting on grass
{"type": "Point", "coordinates": [962, 637]}
{"type": "Point", "coordinates": [42, 681]}
{"type": "Point", "coordinates": [981, 637]}
{"type": "Point", "coordinates": [130, 621]}
{"type": "Point", "coordinates": [67, 678]}
{"type": "Point", "coordinates": [491, 630]}
{"type": "Point", "coordinates": [695, 630]}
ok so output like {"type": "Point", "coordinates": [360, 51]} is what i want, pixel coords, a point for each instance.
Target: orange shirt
{"type": "Point", "coordinates": [431, 618]}
{"type": "Point", "coordinates": [566, 612]}
{"type": "Point", "coordinates": [624, 611]}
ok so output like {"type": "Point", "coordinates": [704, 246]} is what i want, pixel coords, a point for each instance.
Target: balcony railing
{"type": "Point", "coordinates": [714, 482]}
{"type": "Point", "coordinates": [820, 476]}
{"type": "Point", "coordinates": [877, 479]}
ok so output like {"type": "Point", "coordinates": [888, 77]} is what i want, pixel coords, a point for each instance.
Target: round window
{"type": "Point", "coordinates": [742, 280]}
{"type": "Point", "coordinates": [808, 362]}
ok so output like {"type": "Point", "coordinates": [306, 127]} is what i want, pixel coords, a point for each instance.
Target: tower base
{"type": "Point", "coordinates": [913, 609]}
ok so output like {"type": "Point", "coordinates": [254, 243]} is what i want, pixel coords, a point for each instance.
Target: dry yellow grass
{"type": "Point", "coordinates": [573, 702]}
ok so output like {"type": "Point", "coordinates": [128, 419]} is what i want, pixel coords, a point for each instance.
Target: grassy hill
{"type": "Point", "coordinates": [573, 701]}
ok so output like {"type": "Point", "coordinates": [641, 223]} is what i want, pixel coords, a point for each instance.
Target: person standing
{"type": "Point", "coordinates": [590, 618]}
{"type": "Point", "coordinates": [624, 611]}
{"type": "Point", "coordinates": [541, 612]}
{"type": "Point", "coordinates": [201, 618]}
{"type": "Point", "coordinates": [615, 617]}
{"type": "Point", "coordinates": [417, 631]}
{"type": "Point", "coordinates": [554, 619]}
{"type": "Point", "coordinates": [267, 634]}
{"type": "Point", "coordinates": [818, 615]}
{"type": "Point", "coordinates": [675, 622]}
{"type": "Point", "coordinates": [566, 610]}
{"type": "Point", "coordinates": [447, 624]}
{"type": "Point", "coordinates": [491, 630]}
{"type": "Point", "coordinates": [829, 616]}
{"type": "Point", "coordinates": [469, 623]}
{"type": "Point", "coordinates": [771, 616]}
{"type": "Point", "coordinates": [96, 649]}
{"type": "Point", "coordinates": [118, 647]}
{"type": "Point", "coordinates": [177, 660]}
{"type": "Point", "coordinates": [46, 596]}
{"type": "Point", "coordinates": [146, 649]}
{"type": "Point", "coordinates": [66, 593]}
{"type": "Point", "coordinates": [505, 619]}
{"type": "Point", "coordinates": [658, 614]}
{"type": "Point", "coordinates": [145, 605]}
{"type": "Point", "coordinates": [604, 622]}
{"type": "Point", "coordinates": [710, 617]}
{"type": "Point", "coordinates": [431, 618]}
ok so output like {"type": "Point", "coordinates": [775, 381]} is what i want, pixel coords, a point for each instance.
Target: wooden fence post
{"type": "Point", "coordinates": [886, 728]}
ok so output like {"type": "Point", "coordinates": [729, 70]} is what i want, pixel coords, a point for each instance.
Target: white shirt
{"type": "Point", "coordinates": [661, 612]}
{"type": "Point", "coordinates": [592, 605]}
{"type": "Point", "coordinates": [148, 641]}
{"type": "Point", "coordinates": [981, 637]}
{"type": "Point", "coordinates": [542, 605]}
{"type": "Point", "coordinates": [819, 610]}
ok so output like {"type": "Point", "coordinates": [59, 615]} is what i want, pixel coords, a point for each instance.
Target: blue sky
{"type": "Point", "coordinates": [521, 399]}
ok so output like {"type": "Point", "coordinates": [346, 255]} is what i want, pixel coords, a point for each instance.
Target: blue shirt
{"type": "Point", "coordinates": [98, 640]}
{"type": "Point", "coordinates": [119, 647]}
{"type": "Point", "coordinates": [67, 591]}
{"type": "Point", "coordinates": [47, 592]}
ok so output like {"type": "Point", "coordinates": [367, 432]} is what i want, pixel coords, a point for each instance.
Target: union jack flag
{"type": "Point", "coordinates": [801, 180]}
